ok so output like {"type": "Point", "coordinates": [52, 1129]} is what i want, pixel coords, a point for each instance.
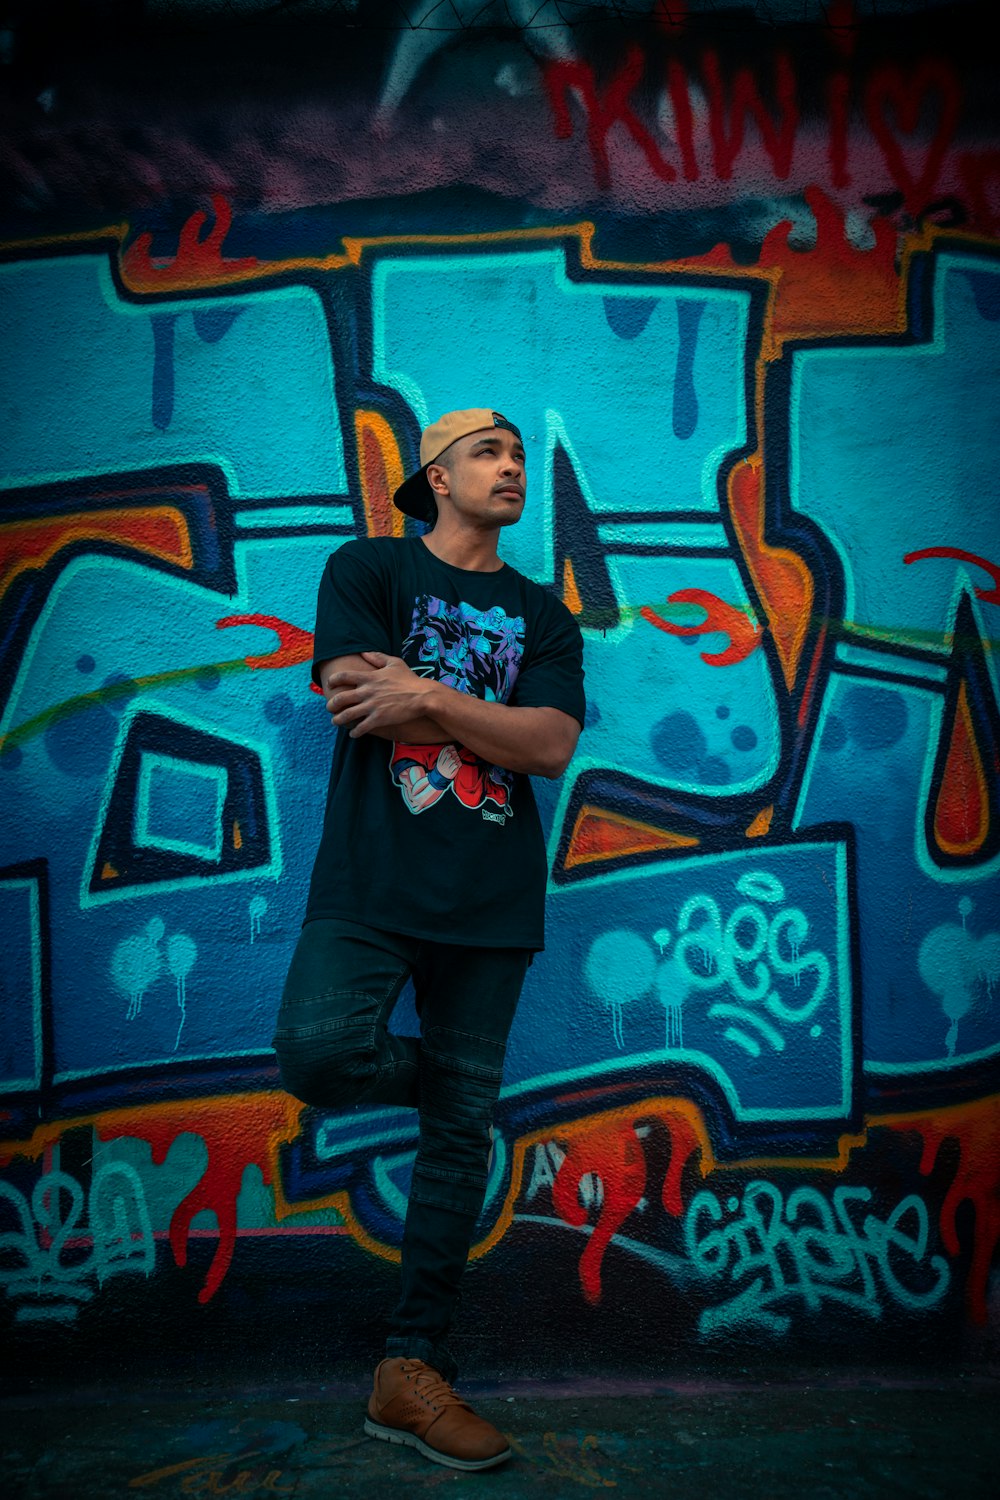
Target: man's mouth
{"type": "Point", "coordinates": [510, 492]}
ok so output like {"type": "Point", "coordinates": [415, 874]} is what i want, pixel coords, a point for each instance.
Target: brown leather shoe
{"type": "Point", "coordinates": [412, 1404]}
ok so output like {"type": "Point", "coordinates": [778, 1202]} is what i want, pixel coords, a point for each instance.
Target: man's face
{"type": "Point", "coordinates": [482, 478]}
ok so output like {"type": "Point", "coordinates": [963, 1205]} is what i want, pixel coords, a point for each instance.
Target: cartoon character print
{"type": "Point", "coordinates": [424, 773]}
{"type": "Point", "coordinates": [475, 651]}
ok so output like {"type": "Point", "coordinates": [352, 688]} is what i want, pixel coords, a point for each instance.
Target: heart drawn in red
{"type": "Point", "coordinates": [907, 97]}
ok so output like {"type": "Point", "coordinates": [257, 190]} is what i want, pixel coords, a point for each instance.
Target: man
{"type": "Point", "coordinates": [451, 678]}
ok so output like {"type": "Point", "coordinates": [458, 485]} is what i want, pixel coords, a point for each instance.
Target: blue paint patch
{"type": "Point", "coordinates": [876, 719]}
{"type": "Point", "coordinates": [714, 771]}
{"type": "Point", "coordinates": [835, 735]}
{"type": "Point", "coordinates": [124, 690]}
{"type": "Point", "coordinates": [678, 742]}
{"type": "Point", "coordinates": [986, 291]}
{"type": "Point", "coordinates": [279, 709]}
{"type": "Point", "coordinates": [685, 408]}
{"type": "Point", "coordinates": [212, 324]}
{"type": "Point", "coordinates": [80, 743]}
{"type": "Point", "coordinates": [628, 316]}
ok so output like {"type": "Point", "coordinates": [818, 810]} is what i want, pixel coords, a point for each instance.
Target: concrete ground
{"type": "Point", "coordinates": [807, 1435]}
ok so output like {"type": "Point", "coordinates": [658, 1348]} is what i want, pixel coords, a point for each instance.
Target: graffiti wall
{"type": "Point", "coordinates": [734, 270]}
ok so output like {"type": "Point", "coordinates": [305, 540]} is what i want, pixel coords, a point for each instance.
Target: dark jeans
{"type": "Point", "coordinates": [334, 1049]}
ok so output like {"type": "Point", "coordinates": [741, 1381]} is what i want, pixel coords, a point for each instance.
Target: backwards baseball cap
{"type": "Point", "coordinates": [415, 496]}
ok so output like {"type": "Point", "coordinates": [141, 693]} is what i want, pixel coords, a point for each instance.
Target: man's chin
{"type": "Point", "coordinates": [512, 511]}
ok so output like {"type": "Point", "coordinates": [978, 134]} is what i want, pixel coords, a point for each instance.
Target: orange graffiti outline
{"type": "Point", "coordinates": [96, 525]}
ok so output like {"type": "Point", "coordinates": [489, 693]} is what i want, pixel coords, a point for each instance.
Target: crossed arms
{"type": "Point", "coordinates": [372, 693]}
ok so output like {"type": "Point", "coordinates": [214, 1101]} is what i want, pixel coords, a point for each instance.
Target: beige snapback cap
{"type": "Point", "coordinates": [415, 496]}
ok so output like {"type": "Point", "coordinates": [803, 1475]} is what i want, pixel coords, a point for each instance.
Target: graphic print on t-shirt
{"type": "Point", "coordinates": [475, 651]}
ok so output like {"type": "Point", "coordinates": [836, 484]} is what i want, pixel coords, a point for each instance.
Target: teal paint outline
{"type": "Point", "coordinates": [246, 547]}
{"type": "Point", "coordinates": [149, 762]}
{"type": "Point", "coordinates": [74, 1075]}
{"type": "Point", "coordinates": [845, 971]}
{"type": "Point", "coordinates": [885, 659]}
{"type": "Point", "coordinates": [676, 1265]}
{"type": "Point", "coordinates": [934, 1064]}
{"type": "Point", "coordinates": [612, 1067]}
{"type": "Point", "coordinates": [278, 516]}
{"type": "Point", "coordinates": [394, 380]}
{"type": "Point", "coordinates": [680, 535]}
{"type": "Point", "coordinates": [375, 1136]}
{"type": "Point", "coordinates": [272, 870]}
{"type": "Point", "coordinates": [94, 475]}
{"type": "Point", "coordinates": [582, 763]}
{"type": "Point", "coordinates": [393, 1198]}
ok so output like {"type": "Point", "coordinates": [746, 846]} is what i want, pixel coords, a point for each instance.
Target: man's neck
{"type": "Point", "coordinates": [475, 551]}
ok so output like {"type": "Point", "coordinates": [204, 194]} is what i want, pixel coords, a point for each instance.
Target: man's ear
{"type": "Point", "coordinates": [437, 478]}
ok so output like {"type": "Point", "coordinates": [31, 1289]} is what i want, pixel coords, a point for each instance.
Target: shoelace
{"type": "Point", "coordinates": [432, 1386]}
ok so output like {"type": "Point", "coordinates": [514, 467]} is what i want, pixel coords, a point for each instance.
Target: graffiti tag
{"type": "Point", "coordinates": [812, 1251]}
{"type": "Point", "coordinates": [51, 1254]}
{"type": "Point", "coordinates": [748, 953]}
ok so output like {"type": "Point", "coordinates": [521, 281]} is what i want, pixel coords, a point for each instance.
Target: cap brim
{"type": "Point", "coordinates": [416, 498]}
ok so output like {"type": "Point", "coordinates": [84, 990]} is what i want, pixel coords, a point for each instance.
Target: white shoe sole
{"type": "Point", "coordinates": [410, 1440]}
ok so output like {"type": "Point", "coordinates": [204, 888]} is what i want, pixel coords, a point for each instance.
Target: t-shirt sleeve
{"type": "Point", "coordinates": [352, 609]}
{"type": "Point", "coordinates": [552, 676]}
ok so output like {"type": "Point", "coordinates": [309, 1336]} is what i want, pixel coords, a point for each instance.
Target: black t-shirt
{"type": "Point", "coordinates": [430, 840]}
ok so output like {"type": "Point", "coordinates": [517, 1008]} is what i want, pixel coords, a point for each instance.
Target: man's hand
{"type": "Point", "coordinates": [369, 701]}
{"type": "Point", "coordinates": [373, 693]}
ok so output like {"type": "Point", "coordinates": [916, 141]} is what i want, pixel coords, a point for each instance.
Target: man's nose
{"type": "Point", "coordinates": [511, 465]}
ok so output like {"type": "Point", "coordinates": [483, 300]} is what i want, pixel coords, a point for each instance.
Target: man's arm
{"type": "Point", "coordinates": [419, 730]}
{"type": "Point", "coordinates": [538, 741]}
